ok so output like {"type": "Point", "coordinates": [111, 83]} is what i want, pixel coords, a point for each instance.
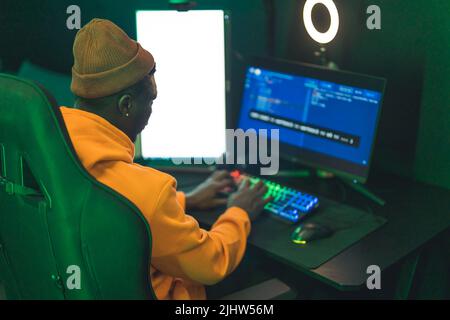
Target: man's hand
{"type": "Point", "coordinates": [250, 199]}
{"type": "Point", "coordinates": [206, 195]}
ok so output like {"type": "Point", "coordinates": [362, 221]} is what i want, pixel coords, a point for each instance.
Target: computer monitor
{"type": "Point", "coordinates": [327, 119]}
{"type": "Point", "coordinates": [189, 115]}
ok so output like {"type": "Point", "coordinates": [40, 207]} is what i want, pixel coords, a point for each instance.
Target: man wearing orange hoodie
{"type": "Point", "coordinates": [114, 84]}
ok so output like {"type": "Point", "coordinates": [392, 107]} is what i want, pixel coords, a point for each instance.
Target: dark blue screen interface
{"type": "Point", "coordinates": [324, 117]}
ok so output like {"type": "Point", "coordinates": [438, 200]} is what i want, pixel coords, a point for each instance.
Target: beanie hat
{"type": "Point", "coordinates": [106, 60]}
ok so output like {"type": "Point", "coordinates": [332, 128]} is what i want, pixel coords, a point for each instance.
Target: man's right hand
{"type": "Point", "coordinates": [250, 199]}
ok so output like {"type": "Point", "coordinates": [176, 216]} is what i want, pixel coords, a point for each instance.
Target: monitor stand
{"type": "Point", "coordinates": [182, 5]}
{"type": "Point", "coordinates": [321, 174]}
{"type": "Point", "coordinates": [360, 188]}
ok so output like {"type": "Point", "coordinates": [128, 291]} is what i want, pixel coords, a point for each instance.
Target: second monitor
{"type": "Point", "coordinates": [326, 119]}
{"type": "Point", "coordinates": [189, 116]}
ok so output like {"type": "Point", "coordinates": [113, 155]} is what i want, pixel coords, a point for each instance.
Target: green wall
{"type": "Point", "coordinates": [433, 149]}
{"type": "Point", "coordinates": [413, 50]}
{"type": "Point", "coordinates": [37, 29]}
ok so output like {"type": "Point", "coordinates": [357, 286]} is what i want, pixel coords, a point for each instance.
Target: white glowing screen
{"type": "Point", "coordinates": [188, 118]}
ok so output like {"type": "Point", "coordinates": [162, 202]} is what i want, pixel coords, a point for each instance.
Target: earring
{"type": "Point", "coordinates": [127, 114]}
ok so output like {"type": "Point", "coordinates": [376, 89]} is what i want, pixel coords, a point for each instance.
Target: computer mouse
{"type": "Point", "coordinates": [309, 232]}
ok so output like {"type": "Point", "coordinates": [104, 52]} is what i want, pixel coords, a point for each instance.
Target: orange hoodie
{"type": "Point", "coordinates": [184, 256]}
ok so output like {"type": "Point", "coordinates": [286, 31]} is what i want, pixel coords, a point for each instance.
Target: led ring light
{"type": "Point", "coordinates": [321, 37]}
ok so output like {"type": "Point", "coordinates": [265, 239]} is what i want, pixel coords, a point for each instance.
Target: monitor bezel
{"type": "Point", "coordinates": [294, 154]}
{"type": "Point", "coordinates": [168, 162]}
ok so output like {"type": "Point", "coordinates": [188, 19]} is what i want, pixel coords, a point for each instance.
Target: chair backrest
{"type": "Point", "coordinates": [58, 225]}
{"type": "Point", "coordinates": [58, 84]}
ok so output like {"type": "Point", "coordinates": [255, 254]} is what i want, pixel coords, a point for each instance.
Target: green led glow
{"type": "Point", "coordinates": [179, 1]}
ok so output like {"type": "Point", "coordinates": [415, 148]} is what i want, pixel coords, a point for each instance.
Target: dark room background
{"type": "Point", "coordinates": [412, 50]}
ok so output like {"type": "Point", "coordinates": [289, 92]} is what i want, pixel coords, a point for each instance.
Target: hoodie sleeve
{"type": "Point", "coordinates": [182, 249]}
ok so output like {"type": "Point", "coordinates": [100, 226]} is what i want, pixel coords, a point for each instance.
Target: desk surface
{"type": "Point", "coordinates": [416, 213]}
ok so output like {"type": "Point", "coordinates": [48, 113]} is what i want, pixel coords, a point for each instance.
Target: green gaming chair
{"type": "Point", "coordinates": [54, 215]}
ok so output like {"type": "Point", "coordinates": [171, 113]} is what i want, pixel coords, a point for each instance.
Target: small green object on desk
{"type": "Point", "coordinates": [296, 238]}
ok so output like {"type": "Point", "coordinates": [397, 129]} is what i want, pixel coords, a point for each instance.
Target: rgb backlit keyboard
{"type": "Point", "coordinates": [288, 204]}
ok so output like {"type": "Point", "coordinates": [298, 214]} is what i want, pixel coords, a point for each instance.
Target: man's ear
{"type": "Point", "coordinates": [124, 105]}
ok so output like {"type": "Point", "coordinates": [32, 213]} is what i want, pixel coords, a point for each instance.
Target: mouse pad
{"type": "Point", "coordinates": [348, 223]}
{"type": "Point", "coordinates": [273, 236]}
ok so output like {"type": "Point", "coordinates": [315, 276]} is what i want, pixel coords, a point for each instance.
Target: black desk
{"type": "Point", "coordinates": [416, 213]}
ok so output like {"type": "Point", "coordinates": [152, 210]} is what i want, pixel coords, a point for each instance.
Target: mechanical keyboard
{"type": "Point", "coordinates": [288, 204]}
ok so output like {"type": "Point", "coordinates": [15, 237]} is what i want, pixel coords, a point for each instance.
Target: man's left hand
{"type": "Point", "coordinates": [206, 195]}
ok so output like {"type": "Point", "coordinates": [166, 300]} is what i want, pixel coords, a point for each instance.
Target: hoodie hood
{"type": "Point", "coordinates": [95, 139]}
